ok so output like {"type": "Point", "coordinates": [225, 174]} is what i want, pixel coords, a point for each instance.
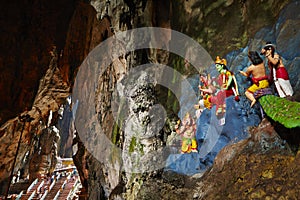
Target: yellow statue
{"type": "Point", "coordinates": [187, 131]}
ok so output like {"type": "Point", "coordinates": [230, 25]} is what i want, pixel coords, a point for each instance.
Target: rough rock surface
{"type": "Point", "coordinates": [224, 26]}
{"type": "Point", "coordinates": [261, 167]}
{"type": "Point", "coordinates": [105, 179]}
{"type": "Point", "coordinates": [38, 144]}
{"type": "Point", "coordinates": [30, 30]}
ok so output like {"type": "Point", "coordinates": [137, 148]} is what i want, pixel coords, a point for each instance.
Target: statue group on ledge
{"type": "Point", "coordinates": [215, 90]}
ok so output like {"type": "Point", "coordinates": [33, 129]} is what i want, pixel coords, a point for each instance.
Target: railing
{"type": "Point", "coordinates": [19, 195]}
{"type": "Point", "coordinates": [44, 195]}
{"type": "Point", "coordinates": [32, 195]}
{"type": "Point", "coordinates": [62, 187]}
{"type": "Point", "coordinates": [74, 188]}
{"type": "Point", "coordinates": [57, 194]}
{"type": "Point", "coordinates": [41, 185]}
{"type": "Point", "coordinates": [31, 185]}
{"type": "Point", "coordinates": [52, 184]}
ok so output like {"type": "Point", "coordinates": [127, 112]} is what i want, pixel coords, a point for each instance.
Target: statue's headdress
{"type": "Point", "coordinates": [221, 61]}
{"type": "Point", "coordinates": [268, 46]}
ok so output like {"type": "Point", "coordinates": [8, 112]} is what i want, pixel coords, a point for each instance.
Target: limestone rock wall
{"type": "Point", "coordinates": [223, 26]}
{"type": "Point", "coordinates": [104, 179]}
{"type": "Point", "coordinates": [261, 167]}
{"type": "Point", "coordinates": [37, 83]}
{"type": "Point", "coordinates": [30, 29]}
{"type": "Point", "coordinates": [34, 130]}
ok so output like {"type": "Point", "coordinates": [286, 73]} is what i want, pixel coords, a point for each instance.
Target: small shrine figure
{"type": "Point", "coordinates": [187, 130]}
{"type": "Point", "coordinates": [206, 90]}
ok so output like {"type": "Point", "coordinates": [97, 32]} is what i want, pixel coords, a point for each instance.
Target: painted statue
{"type": "Point", "coordinates": [257, 72]}
{"type": "Point", "coordinates": [279, 74]}
{"type": "Point", "coordinates": [206, 90]}
{"type": "Point", "coordinates": [187, 130]}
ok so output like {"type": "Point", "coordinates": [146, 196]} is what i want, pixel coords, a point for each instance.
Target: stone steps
{"type": "Point", "coordinates": [32, 190]}
{"type": "Point", "coordinates": [70, 184]}
{"type": "Point", "coordinates": [61, 186]}
{"type": "Point", "coordinates": [56, 188]}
